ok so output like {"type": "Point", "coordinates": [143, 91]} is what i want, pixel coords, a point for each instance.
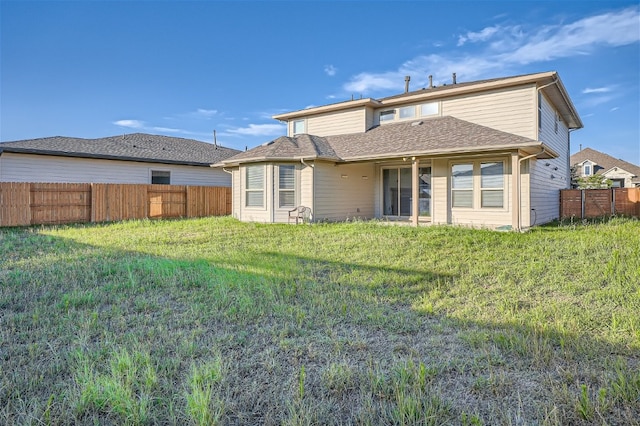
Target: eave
{"type": "Point", "coordinates": [359, 103]}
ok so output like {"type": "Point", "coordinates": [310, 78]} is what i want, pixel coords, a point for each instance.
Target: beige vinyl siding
{"type": "Point", "coordinates": [306, 186]}
{"type": "Point", "coordinates": [340, 198]}
{"type": "Point", "coordinates": [548, 177]}
{"type": "Point", "coordinates": [440, 212]}
{"type": "Point", "coordinates": [16, 167]}
{"type": "Point", "coordinates": [510, 110]}
{"type": "Point", "coordinates": [335, 123]}
{"type": "Point", "coordinates": [369, 118]}
{"type": "Point", "coordinates": [236, 195]}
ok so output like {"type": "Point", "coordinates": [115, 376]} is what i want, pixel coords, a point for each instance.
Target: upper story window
{"type": "Point", "coordinates": [586, 169]}
{"type": "Point", "coordinates": [407, 112]}
{"type": "Point", "coordinates": [160, 177]}
{"type": "Point", "coordinates": [430, 108]}
{"type": "Point", "coordinates": [299, 127]}
{"type": "Point", "coordinates": [555, 126]}
{"type": "Point", "coordinates": [389, 115]}
{"type": "Point", "coordinates": [254, 191]}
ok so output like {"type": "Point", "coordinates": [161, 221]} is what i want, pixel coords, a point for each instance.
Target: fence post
{"type": "Point", "coordinates": [613, 201]}
{"type": "Point", "coordinates": [582, 203]}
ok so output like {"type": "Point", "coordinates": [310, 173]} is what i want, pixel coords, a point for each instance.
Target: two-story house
{"type": "Point", "coordinates": [491, 153]}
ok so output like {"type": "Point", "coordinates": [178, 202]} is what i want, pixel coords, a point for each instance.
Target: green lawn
{"type": "Point", "coordinates": [213, 321]}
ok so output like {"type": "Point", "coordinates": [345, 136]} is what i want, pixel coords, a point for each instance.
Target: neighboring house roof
{"type": "Point", "coordinates": [433, 136]}
{"type": "Point", "coordinates": [131, 147]}
{"type": "Point", "coordinates": [605, 162]}
{"type": "Point", "coordinates": [549, 82]}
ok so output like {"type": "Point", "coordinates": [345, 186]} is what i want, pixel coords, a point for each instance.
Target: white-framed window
{"type": "Point", "coordinates": [478, 184]}
{"type": "Point", "coordinates": [492, 184]}
{"type": "Point", "coordinates": [586, 169]}
{"type": "Point", "coordinates": [299, 127]}
{"type": "Point", "coordinates": [254, 190]}
{"type": "Point", "coordinates": [462, 185]}
{"type": "Point", "coordinates": [287, 186]}
{"type": "Point", "coordinates": [160, 177]}
{"type": "Point", "coordinates": [427, 109]}
{"type": "Point", "coordinates": [407, 112]}
{"type": "Point", "coordinates": [388, 115]}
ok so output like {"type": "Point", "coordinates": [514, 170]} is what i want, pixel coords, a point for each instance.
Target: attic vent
{"type": "Point", "coordinates": [417, 123]}
{"type": "Point", "coordinates": [267, 143]}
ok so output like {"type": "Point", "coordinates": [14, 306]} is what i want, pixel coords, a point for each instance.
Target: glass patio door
{"type": "Point", "coordinates": [396, 192]}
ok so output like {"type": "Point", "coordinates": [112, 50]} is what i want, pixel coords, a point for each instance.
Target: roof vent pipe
{"type": "Point", "coordinates": [406, 83]}
{"type": "Point", "coordinates": [430, 82]}
{"type": "Point", "coordinates": [454, 78]}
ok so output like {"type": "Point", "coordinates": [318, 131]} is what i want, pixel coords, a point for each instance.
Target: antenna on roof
{"type": "Point", "coordinates": [215, 141]}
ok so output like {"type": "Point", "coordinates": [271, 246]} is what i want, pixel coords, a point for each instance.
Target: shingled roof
{"type": "Point", "coordinates": [605, 161]}
{"type": "Point", "coordinates": [131, 147]}
{"type": "Point", "coordinates": [433, 136]}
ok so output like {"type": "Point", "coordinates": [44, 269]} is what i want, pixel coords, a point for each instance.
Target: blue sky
{"type": "Point", "coordinates": [184, 68]}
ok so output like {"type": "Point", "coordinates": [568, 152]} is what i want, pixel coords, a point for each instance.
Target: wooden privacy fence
{"type": "Point", "coordinates": [591, 203]}
{"type": "Point", "coordinates": [56, 203]}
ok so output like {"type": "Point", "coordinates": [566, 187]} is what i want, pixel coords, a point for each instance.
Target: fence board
{"type": "Point", "coordinates": [592, 203]}
{"type": "Point", "coordinates": [167, 200]}
{"type": "Point", "coordinates": [56, 203]}
{"type": "Point", "coordinates": [53, 203]}
{"type": "Point", "coordinates": [14, 204]}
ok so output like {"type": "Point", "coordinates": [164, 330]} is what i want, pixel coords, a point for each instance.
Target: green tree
{"type": "Point", "coordinates": [594, 182]}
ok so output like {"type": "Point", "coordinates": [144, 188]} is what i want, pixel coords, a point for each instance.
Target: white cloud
{"type": "Point", "coordinates": [330, 70]}
{"type": "Point", "coordinates": [133, 124]}
{"type": "Point", "coordinates": [589, 90]}
{"type": "Point", "coordinates": [205, 113]}
{"type": "Point", "coordinates": [614, 109]}
{"type": "Point", "coordinates": [258, 130]}
{"type": "Point", "coordinates": [579, 38]}
{"type": "Point", "coordinates": [507, 47]}
{"type": "Point", "coordinates": [482, 35]}
{"type": "Point", "coordinates": [169, 130]}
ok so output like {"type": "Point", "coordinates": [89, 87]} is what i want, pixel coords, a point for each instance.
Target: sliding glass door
{"type": "Point", "coordinates": [396, 192]}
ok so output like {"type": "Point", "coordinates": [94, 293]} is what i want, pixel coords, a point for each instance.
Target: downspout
{"type": "Point", "coordinates": [519, 189]}
{"type": "Point", "coordinates": [227, 171]}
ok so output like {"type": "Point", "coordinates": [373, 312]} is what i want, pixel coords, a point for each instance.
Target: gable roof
{"type": "Point", "coordinates": [434, 136]}
{"type": "Point", "coordinates": [549, 82]}
{"type": "Point", "coordinates": [132, 147]}
{"type": "Point", "coordinates": [605, 161]}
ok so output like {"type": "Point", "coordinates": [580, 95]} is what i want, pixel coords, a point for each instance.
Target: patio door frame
{"type": "Point", "coordinates": [401, 194]}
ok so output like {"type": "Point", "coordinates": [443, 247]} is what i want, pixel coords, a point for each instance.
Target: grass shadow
{"type": "Point", "coordinates": [291, 337]}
